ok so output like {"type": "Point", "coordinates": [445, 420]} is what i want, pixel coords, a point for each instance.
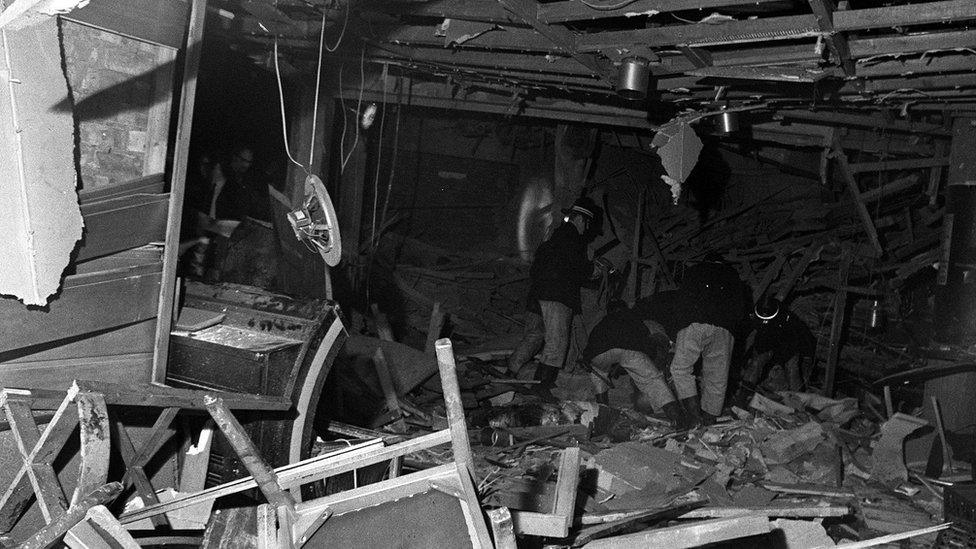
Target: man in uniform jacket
{"type": "Point", "coordinates": [780, 339]}
{"type": "Point", "coordinates": [560, 268]}
{"type": "Point", "coordinates": [715, 301]}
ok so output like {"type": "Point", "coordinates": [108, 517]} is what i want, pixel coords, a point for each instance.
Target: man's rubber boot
{"type": "Point", "coordinates": [708, 419]}
{"type": "Point", "coordinates": [672, 411]}
{"type": "Point", "coordinates": [692, 412]}
{"type": "Point", "coordinates": [546, 376]}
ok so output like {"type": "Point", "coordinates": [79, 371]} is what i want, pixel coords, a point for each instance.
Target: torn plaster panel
{"type": "Point", "coordinates": [41, 219]}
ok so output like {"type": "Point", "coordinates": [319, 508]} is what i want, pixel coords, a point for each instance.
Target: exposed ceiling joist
{"type": "Point", "coordinates": [700, 34]}
{"type": "Point", "coordinates": [486, 11]}
{"type": "Point", "coordinates": [904, 15]}
{"type": "Point", "coordinates": [864, 121]}
{"type": "Point", "coordinates": [562, 37]}
{"type": "Point", "coordinates": [575, 10]}
{"type": "Point", "coordinates": [781, 28]}
{"type": "Point", "coordinates": [474, 58]}
{"type": "Point", "coordinates": [823, 10]}
{"type": "Point", "coordinates": [512, 39]}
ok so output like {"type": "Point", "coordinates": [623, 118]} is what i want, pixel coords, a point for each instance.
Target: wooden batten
{"type": "Point", "coordinates": [160, 22]}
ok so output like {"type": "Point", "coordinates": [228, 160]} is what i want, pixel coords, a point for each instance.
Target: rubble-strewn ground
{"type": "Point", "coordinates": [822, 468]}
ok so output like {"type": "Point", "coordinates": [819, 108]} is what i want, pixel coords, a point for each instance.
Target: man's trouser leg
{"type": "Point", "coordinates": [647, 377]}
{"type": "Point", "coordinates": [716, 356]}
{"type": "Point", "coordinates": [794, 374]}
{"type": "Point", "coordinates": [687, 349]}
{"type": "Point", "coordinates": [533, 336]}
{"type": "Point", "coordinates": [558, 320]}
{"type": "Point", "coordinates": [603, 363]}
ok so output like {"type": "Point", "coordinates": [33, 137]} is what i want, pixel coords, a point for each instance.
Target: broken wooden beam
{"type": "Point", "coordinates": [690, 535]}
{"type": "Point", "coordinates": [561, 37]}
{"type": "Point", "coordinates": [837, 323]}
{"type": "Point", "coordinates": [785, 511]}
{"type": "Point", "coordinates": [845, 171]}
{"type": "Point", "coordinates": [823, 10]}
{"type": "Point", "coordinates": [50, 534]}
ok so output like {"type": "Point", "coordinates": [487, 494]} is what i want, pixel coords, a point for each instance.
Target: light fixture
{"type": "Point", "coordinates": [728, 121]}
{"type": "Point", "coordinates": [632, 78]}
{"type": "Point", "coordinates": [369, 115]}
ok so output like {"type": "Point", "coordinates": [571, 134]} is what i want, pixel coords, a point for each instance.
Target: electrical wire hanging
{"type": "Point", "coordinates": [315, 108]}
{"type": "Point", "coordinates": [342, 32]}
{"type": "Point", "coordinates": [281, 103]}
{"type": "Point", "coordinates": [359, 105]}
{"type": "Point", "coordinates": [379, 155]}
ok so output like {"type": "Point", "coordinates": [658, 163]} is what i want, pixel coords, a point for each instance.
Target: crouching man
{"type": "Point", "coordinates": [638, 346]}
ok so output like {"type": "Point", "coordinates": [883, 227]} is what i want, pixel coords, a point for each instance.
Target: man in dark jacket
{"type": "Point", "coordinates": [639, 346]}
{"type": "Point", "coordinates": [780, 339]}
{"type": "Point", "coordinates": [560, 268]}
{"type": "Point", "coordinates": [715, 302]}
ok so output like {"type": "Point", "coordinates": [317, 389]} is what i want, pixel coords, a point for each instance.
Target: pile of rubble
{"type": "Point", "coordinates": [817, 470]}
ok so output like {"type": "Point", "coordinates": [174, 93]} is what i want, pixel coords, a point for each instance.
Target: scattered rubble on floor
{"type": "Point", "coordinates": [816, 469]}
{"type": "Point", "coordinates": [792, 471]}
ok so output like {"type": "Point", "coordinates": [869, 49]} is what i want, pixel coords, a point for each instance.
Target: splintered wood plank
{"type": "Point", "coordinates": [837, 322]}
{"type": "Point", "coordinates": [824, 12]}
{"type": "Point", "coordinates": [95, 440]}
{"type": "Point", "coordinates": [808, 255]}
{"type": "Point", "coordinates": [862, 210]}
{"type": "Point", "coordinates": [389, 391]}
{"type": "Point", "coordinates": [566, 483]}
{"type": "Point", "coordinates": [49, 535]}
{"type": "Point", "coordinates": [691, 535]}
{"type": "Point", "coordinates": [42, 219]}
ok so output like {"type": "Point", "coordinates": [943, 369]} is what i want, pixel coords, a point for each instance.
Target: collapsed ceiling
{"type": "Point", "coordinates": [897, 56]}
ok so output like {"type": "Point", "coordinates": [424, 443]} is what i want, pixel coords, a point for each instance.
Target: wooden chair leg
{"type": "Point", "coordinates": [95, 443]}
{"type": "Point", "coordinates": [41, 476]}
{"type": "Point", "coordinates": [56, 529]}
{"type": "Point", "coordinates": [135, 473]}
{"type": "Point", "coordinates": [281, 500]}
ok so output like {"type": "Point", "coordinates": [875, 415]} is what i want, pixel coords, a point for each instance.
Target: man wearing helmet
{"type": "Point", "coordinates": [781, 339]}
{"type": "Point", "coordinates": [560, 268]}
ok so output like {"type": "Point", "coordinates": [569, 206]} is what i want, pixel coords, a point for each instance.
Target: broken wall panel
{"type": "Point", "coordinates": [41, 221]}
{"type": "Point", "coordinates": [121, 90]}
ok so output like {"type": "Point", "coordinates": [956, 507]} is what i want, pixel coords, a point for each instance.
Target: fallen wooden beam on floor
{"type": "Point", "coordinates": [890, 538]}
{"type": "Point", "coordinates": [691, 535]}
{"type": "Point", "coordinates": [809, 511]}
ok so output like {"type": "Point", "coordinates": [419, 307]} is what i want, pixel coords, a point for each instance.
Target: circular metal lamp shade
{"type": "Point", "coordinates": [728, 122]}
{"type": "Point", "coordinates": [632, 78]}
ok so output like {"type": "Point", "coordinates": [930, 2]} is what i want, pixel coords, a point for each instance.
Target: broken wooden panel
{"type": "Point", "coordinates": [42, 221]}
{"type": "Point", "coordinates": [88, 303]}
{"type": "Point", "coordinates": [121, 223]}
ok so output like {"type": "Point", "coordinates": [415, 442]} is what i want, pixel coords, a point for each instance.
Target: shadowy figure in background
{"type": "Point", "coordinates": [231, 216]}
{"type": "Point", "coordinates": [560, 269]}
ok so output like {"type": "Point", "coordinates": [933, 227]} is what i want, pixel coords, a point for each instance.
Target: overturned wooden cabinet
{"type": "Point", "coordinates": [267, 344]}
